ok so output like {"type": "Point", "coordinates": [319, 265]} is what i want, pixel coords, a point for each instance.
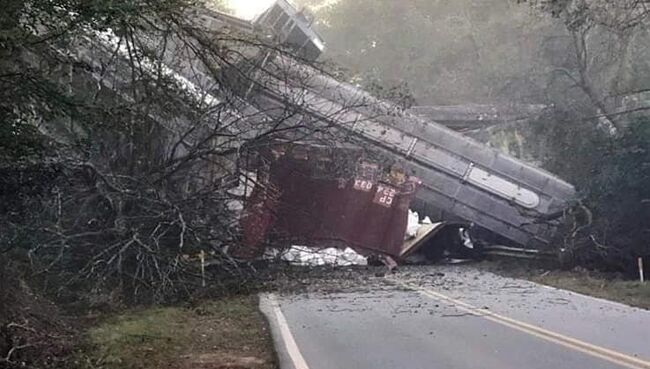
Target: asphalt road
{"type": "Point", "coordinates": [460, 320]}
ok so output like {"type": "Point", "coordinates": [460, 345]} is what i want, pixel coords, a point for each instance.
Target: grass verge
{"type": "Point", "coordinates": [228, 333]}
{"type": "Point", "coordinates": [603, 285]}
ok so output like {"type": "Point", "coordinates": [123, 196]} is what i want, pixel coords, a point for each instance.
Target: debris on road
{"type": "Point", "coordinates": [307, 256]}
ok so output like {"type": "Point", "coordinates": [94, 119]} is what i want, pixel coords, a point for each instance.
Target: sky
{"type": "Point", "coordinates": [248, 9]}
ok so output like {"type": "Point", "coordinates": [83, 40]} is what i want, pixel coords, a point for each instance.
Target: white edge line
{"type": "Point", "coordinates": [270, 302]}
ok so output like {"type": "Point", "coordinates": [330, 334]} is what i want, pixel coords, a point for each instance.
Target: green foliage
{"type": "Point", "coordinates": [619, 194]}
{"type": "Point", "coordinates": [118, 342]}
{"type": "Point", "coordinates": [217, 331]}
{"type": "Point", "coordinates": [612, 176]}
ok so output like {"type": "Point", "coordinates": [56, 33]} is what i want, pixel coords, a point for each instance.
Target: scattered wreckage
{"type": "Point", "coordinates": [441, 173]}
{"type": "Point", "coordinates": [341, 208]}
{"type": "Point", "coordinates": [306, 196]}
{"type": "Point", "coordinates": [344, 196]}
{"type": "Point", "coordinates": [322, 196]}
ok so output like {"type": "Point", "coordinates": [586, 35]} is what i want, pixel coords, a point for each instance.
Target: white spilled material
{"type": "Point", "coordinates": [306, 256]}
{"type": "Point", "coordinates": [413, 225]}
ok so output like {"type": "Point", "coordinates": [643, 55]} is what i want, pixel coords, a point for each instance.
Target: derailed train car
{"type": "Point", "coordinates": [462, 179]}
{"type": "Point", "coordinates": [325, 196]}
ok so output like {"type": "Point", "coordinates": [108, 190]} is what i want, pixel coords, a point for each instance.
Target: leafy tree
{"type": "Point", "coordinates": [609, 41]}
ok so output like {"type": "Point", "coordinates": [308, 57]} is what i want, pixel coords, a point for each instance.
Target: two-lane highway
{"type": "Point", "coordinates": [464, 319]}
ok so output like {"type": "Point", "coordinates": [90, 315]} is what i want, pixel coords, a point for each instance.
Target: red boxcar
{"type": "Point", "coordinates": [322, 196]}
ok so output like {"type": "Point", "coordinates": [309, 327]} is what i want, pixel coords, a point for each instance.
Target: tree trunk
{"type": "Point", "coordinates": [586, 84]}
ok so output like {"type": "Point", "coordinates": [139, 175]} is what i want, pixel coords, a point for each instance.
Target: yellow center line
{"type": "Point", "coordinates": [603, 353]}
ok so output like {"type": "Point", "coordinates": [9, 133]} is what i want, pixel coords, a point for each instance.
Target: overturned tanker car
{"type": "Point", "coordinates": [462, 179]}
{"type": "Point", "coordinates": [342, 196]}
